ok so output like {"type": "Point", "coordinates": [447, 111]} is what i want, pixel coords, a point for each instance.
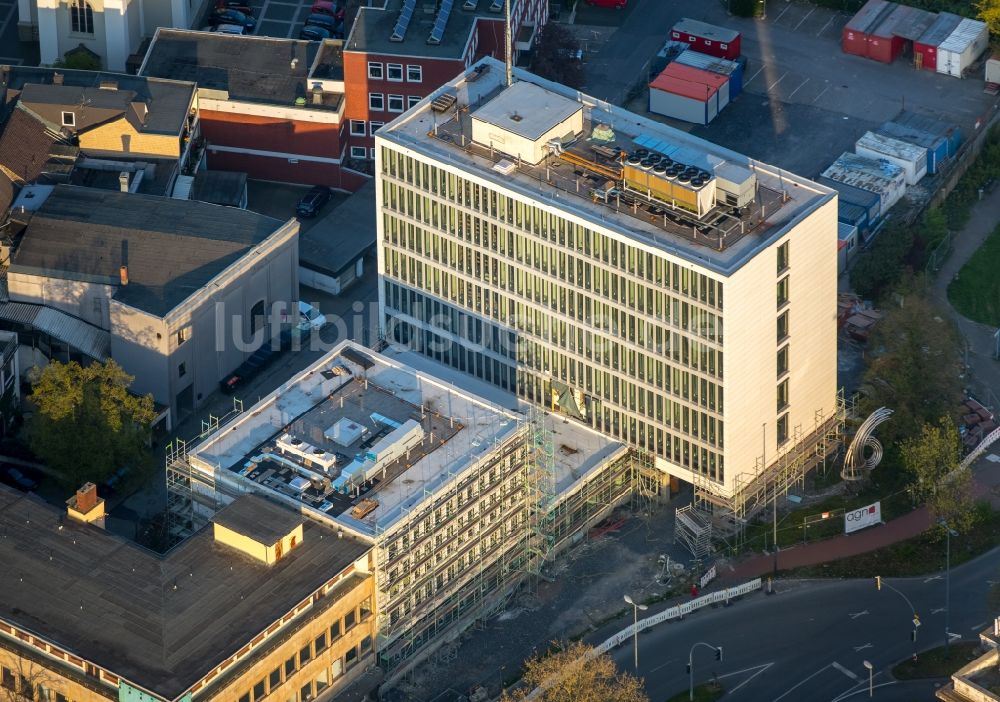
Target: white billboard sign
{"type": "Point", "coordinates": [862, 517]}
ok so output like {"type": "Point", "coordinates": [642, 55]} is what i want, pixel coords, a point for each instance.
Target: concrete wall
{"type": "Point", "coordinates": [88, 301]}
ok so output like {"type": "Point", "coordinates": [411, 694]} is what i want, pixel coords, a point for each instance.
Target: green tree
{"type": "Point", "coordinates": [555, 56]}
{"type": "Point", "coordinates": [989, 12]}
{"type": "Point", "coordinates": [914, 366]}
{"type": "Point", "coordinates": [86, 423]}
{"type": "Point", "coordinates": [932, 458]}
{"type": "Point", "coordinates": [79, 61]}
{"type": "Point", "coordinates": [572, 675]}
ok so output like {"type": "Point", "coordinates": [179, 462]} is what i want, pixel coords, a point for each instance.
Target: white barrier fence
{"type": "Point", "coordinates": [980, 449]}
{"type": "Point", "coordinates": [676, 612]}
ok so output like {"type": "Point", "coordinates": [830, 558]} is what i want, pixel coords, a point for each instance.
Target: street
{"type": "Point", "coordinates": [810, 640]}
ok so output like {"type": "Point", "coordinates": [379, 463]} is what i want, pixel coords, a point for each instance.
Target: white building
{"type": "Point", "coordinates": [112, 29]}
{"type": "Point", "coordinates": [668, 292]}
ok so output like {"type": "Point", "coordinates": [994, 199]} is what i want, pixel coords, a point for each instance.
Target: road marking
{"type": "Point", "coordinates": [859, 649]}
{"type": "Point", "coordinates": [977, 627]}
{"type": "Point", "coordinates": [803, 19]}
{"type": "Point", "coordinates": [822, 92]}
{"type": "Point", "coordinates": [776, 82]}
{"type": "Point", "coordinates": [849, 673]}
{"type": "Point", "coordinates": [759, 668]}
{"type": "Point", "coordinates": [858, 614]}
{"type": "Point", "coordinates": [797, 89]}
{"type": "Point", "coordinates": [820, 32]}
{"type": "Point", "coordinates": [932, 578]}
{"type": "Point", "coordinates": [754, 75]}
{"type": "Point", "coordinates": [782, 13]}
{"type": "Point", "coordinates": [800, 684]}
{"type": "Point", "coordinates": [662, 665]}
{"type": "Point", "coordinates": [863, 689]}
{"type": "Point", "coordinates": [937, 610]}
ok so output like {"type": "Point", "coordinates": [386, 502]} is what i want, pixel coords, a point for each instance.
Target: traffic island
{"type": "Point", "coordinates": [707, 692]}
{"type": "Point", "coordinates": [937, 662]}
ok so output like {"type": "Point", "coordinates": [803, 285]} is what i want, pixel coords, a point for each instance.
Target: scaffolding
{"type": "Point", "coordinates": [539, 491]}
{"type": "Point", "coordinates": [712, 517]}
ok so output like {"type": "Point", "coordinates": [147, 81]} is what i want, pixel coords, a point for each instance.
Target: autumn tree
{"type": "Point", "coordinates": [574, 674]}
{"type": "Point", "coordinates": [932, 458]}
{"type": "Point", "coordinates": [989, 12]}
{"type": "Point", "coordinates": [86, 424]}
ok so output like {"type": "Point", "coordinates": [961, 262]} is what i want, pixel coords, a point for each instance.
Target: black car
{"type": "Point", "coordinates": [314, 201]}
{"type": "Point", "coordinates": [258, 361]}
{"type": "Point", "coordinates": [330, 24]}
{"type": "Point", "coordinates": [229, 16]}
{"type": "Point", "coordinates": [314, 33]}
{"type": "Point", "coordinates": [238, 5]}
{"type": "Point", "coordinates": [18, 479]}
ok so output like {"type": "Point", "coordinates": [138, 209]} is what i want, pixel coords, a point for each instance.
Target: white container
{"type": "Point", "coordinates": [873, 175]}
{"type": "Point", "coordinates": [993, 70]}
{"type": "Point", "coordinates": [962, 47]}
{"type": "Point", "coordinates": [689, 109]}
{"type": "Point", "coordinates": [910, 157]}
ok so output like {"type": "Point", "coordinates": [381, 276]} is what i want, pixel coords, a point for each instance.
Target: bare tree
{"type": "Point", "coordinates": [23, 680]}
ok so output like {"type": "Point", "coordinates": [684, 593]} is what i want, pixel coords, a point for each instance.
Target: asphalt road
{"type": "Point", "coordinates": [810, 640]}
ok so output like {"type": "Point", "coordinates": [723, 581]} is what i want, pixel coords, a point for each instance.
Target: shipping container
{"type": "Point", "coordinates": [848, 195]}
{"type": "Point", "coordinates": [689, 94]}
{"type": "Point", "coordinates": [925, 48]}
{"type": "Point", "coordinates": [992, 71]}
{"type": "Point", "coordinates": [883, 44]}
{"type": "Point", "coordinates": [910, 157]}
{"type": "Point", "coordinates": [854, 37]}
{"type": "Point", "coordinates": [962, 47]}
{"type": "Point", "coordinates": [949, 131]}
{"type": "Point", "coordinates": [847, 245]}
{"type": "Point", "coordinates": [878, 176]}
{"type": "Point", "coordinates": [731, 69]}
{"type": "Point", "coordinates": [854, 215]}
{"type": "Point", "coordinates": [708, 38]}
{"type": "Point", "coordinates": [937, 146]}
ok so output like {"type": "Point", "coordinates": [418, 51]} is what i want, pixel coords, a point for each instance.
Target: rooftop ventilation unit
{"type": "Point", "coordinates": [437, 33]}
{"type": "Point", "coordinates": [674, 183]}
{"type": "Point", "coordinates": [405, 15]}
{"type": "Point", "coordinates": [443, 102]}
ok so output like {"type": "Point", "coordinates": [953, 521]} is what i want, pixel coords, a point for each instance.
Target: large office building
{"type": "Point", "coordinates": [670, 293]}
{"type": "Point", "coordinates": [461, 499]}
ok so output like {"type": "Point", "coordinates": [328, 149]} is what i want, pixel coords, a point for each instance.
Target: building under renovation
{"type": "Point", "coordinates": [460, 499]}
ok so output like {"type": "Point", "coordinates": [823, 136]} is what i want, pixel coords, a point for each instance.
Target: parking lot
{"type": "Point", "coordinates": [280, 18]}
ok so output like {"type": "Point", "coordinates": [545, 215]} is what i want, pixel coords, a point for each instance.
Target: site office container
{"type": "Point", "coordinates": [875, 175]}
{"type": "Point", "coordinates": [708, 38]}
{"type": "Point", "coordinates": [849, 196]}
{"type": "Point", "coordinates": [910, 157]}
{"type": "Point", "coordinates": [733, 70]}
{"type": "Point", "coordinates": [950, 132]}
{"type": "Point", "coordinates": [847, 244]}
{"type": "Point", "coordinates": [937, 146]}
{"type": "Point", "coordinates": [992, 70]}
{"type": "Point", "coordinates": [854, 37]}
{"type": "Point", "coordinates": [687, 93]}
{"type": "Point", "coordinates": [853, 215]}
{"type": "Point", "coordinates": [883, 44]}
{"type": "Point", "coordinates": [962, 47]}
{"type": "Point", "coordinates": [925, 48]}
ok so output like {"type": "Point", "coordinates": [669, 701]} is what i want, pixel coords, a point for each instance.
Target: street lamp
{"type": "Point", "coordinates": [948, 533]}
{"type": "Point", "coordinates": [871, 676]}
{"type": "Point", "coordinates": [635, 634]}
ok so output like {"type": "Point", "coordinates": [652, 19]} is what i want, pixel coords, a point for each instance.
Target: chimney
{"type": "Point", "coordinates": [57, 79]}
{"type": "Point", "coordinates": [317, 97]}
{"type": "Point", "coordinates": [123, 181]}
{"type": "Point", "coordinates": [86, 497]}
{"type": "Point", "coordinates": [86, 506]}
{"type": "Point", "coordinates": [123, 275]}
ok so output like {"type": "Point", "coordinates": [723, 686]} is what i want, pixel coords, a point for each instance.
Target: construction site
{"type": "Point", "coordinates": [463, 502]}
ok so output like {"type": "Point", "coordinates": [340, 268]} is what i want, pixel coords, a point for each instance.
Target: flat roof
{"type": "Point", "coordinates": [338, 239]}
{"type": "Point", "coordinates": [458, 427]}
{"type": "Point", "coordinates": [705, 30]}
{"type": "Point", "coordinates": [166, 101]}
{"type": "Point", "coordinates": [162, 622]}
{"type": "Point", "coordinates": [527, 110]}
{"type": "Point", "coordinates": [688, 81]}
{"type": "Point", "coordinates": [373, 29]}
{"type": "Point", "coordinates": [172, 247]}
{"type": "Point", "coordinates": [256, 518]}
{"type": "Point", "coordinates": [251, 68]}
{"type": "Point", "coordinates": [219, 187]}
{"type": "Point", "coordinates": [940, 29]}
{"type": "Point", "coordinates": [721, 240]}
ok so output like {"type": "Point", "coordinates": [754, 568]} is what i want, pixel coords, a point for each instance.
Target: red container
{"type": "Point", "coordinates": [925, 48]}
{"type": "Point", "coordinates": [854, 37]}
{"type": "Point", "coordinates": [708, 38]}
{"type": "Point", "coordinates": [883, 43]}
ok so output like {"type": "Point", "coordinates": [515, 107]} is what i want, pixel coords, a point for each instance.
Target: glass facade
{"type": "Point", "coordinates": [568, 317]}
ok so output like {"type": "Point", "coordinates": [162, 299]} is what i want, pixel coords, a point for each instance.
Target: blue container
{"type": "Point", "coordinates": [950, 132]}
{"type": "Point", "coordinates": [937, 146]}
{"type": "Point", "coordinates": [852, 215]}
{"type": "Point", "coordinates": [731, 69]}
{"type": "Point", "coordinates": [870, 202]}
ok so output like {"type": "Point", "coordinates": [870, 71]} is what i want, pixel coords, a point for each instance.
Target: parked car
{"type": "Point", "coordinates": [228, 16]}
{"type": "Point", "coordinates": [239, 5]}
{"type": "Point", "coordinates": [617, 4]}
{"type": "Point", "coordinates": [229, 29]}
{"type": "Point", "coordinates": [325, 7]}
{"type": "Point", "coordinates": [313, 202]}
{"type": "Point", "coordinates": [19, 480]}
{"type": "Point", "coordinates": [313, 33]}
{"type": "Point", "coordinates": [327, 22]}
{"type": "Point", "coordinates": [310, 318]}
{"type": "Point", "coordinates": [258, 361]}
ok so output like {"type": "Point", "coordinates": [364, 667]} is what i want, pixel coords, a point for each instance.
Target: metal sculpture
{"type": "Point", "coordinates": [855, 463]}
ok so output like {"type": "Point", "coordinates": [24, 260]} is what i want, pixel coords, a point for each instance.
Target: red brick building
{"type": "Point", "coordinates": [398, 53]}
{"type": "Point", "coordinates": [273, 108]}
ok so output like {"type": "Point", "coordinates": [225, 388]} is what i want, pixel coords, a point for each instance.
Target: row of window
{"type": "Point", "coordinates": [394, 72]}
{"type": "Point", "coordinates": [360, 128]}
{"type": "Point", "coordinates": [782, 356]}
{"type": "Point", "coordinates": [380, 102]}
{"type": "Point", "coordinates": [441, 187]}
{"type": "Point", "coordinates": [20, 687]}
{"type": "Point", "coordinates": [621, 424]}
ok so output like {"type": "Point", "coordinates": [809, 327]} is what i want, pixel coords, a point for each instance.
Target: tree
{"type": "Point", "coordinates": [22, 680]}
{"type": "Point", "coordinates": [572, 675]}
{"type": "Point", "coordinates": [555, 56]}
{"type": "Point", "coordinates": [915, 366]}
{"type": "Point", "coordinates": [933, 457]}
{"type": "Point", "coordinates": [87, 424]}
{"type": "Point", "coordinates": [989, 12]}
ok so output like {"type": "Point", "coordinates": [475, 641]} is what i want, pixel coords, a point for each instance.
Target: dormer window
{"type": "Point", "coordinates": [68, 119]}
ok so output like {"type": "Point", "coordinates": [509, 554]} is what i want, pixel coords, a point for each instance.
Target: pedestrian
{"type": "Point", "coordinates": [694, 591]}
